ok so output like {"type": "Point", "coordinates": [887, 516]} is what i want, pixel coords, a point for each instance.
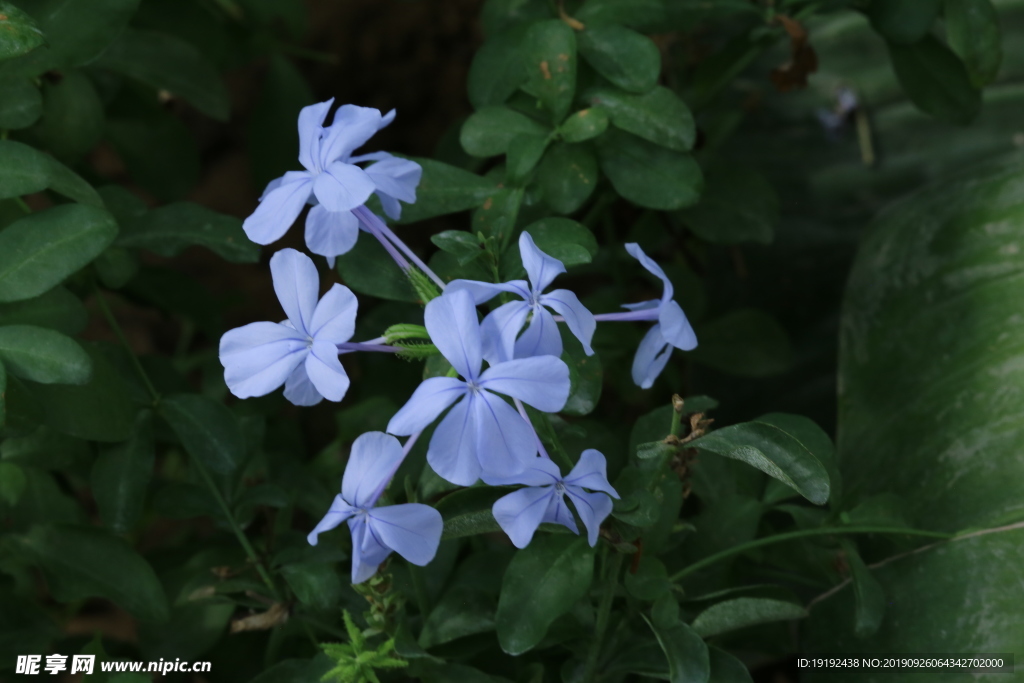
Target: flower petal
{"type": "Point", "coordinates": [578, 318]}
{"type": "Point", "coordinates": [559, 513]}
{"type": "Point", "coordinates": [311, 120]}
{"type": "Point", "coordinates": [540, 268]}
{"type": "Point", "coordinates": [454, 330]}
{"type": "Point", "coordinates": [334, 318]}
{"type": "Point", "coordinates": [648, 263]}
{"type": "Point", "coordinates": [651, 357]}
{"type": "Point", "coordinates": [342, 187]}
{"type": "Point", "coordinates": [412, 530]}
{"type": "Point", "coordinates": [396, 177]}
{"type": "Point", "coordinates": [452, 449]}
{"type": "Point", "coordinates": [259, 357]}
{"type": "Point", "coordinates": [297, 284]}
{"type": "Point", "coordinates": [505, 443]}
{"type": "Point", "coordinates": [591, 473]}
{"type": "Point", "coordinates": [336, 515]}
{"type": "Point", "coordinates": [373, 460]}
{"type": "Point", "coordinates": [299, 390]}
{"type": "Point", "coordinates": [331, 233]}
{"type": "Point", "coordinates": [675, 328]}
{"type": "Point", "coordinates": [539, 472]}
{"type": "Point", "coordinates": [390, 205]}
{"type": "Point", "coordinates": [352, 127]}
{"type": "Point", "coordinates": [368, 550]}
{"type": "Point", "coordinates": [325, 370]}
{"type": "Point", "coordinates": [520, 513]}
{"type": "Point", "coordinates": [592, 509]}
{"type": "Point", "coordinates": [277, 211]}
{"type": "Point", "coordinates": [541, 337]}
{"type": "Point", "coordinates": [541, 381]}
{"type": "Point", "coordinates": [485, 291]}
{"type": "Point", "coordinates": [499, 330]}
{"type": "Point", "coordinates": [429, 400]}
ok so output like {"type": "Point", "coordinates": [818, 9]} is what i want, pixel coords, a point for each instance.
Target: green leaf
{"type": "Point", "coordinates": [585, 375]}
{"type": "Point", "coordinates": [12, 477]}
{"type": "Point", "coordinates": [523, 154]}
{"type": "Point", "coordinates": [649, 581]}
{"type": "Point", "coordinates": [170, 229]}
{"type": "Point", "coordinates": [272, 135]}
{"type": "Point", "coordinates": [169, 64]}
{"type": "Point", "coordinates": [738, 205]}
{"type": "Point", "coordinates": [25, 170]}
{"type": "Point", "coordinates": [3, 396]}
{"type": "Point", "coordinates": [368, 269]}
{"type": "Point", "coordinates": [21, 104]}
{"type": "Point", "coordinates": [462, 245]}
{"type": "Point", "coordinates": [903, 21]}
{"type": "Point", "coordinates": [744, 343]}
{"type": "Point", "coordinates": [18, 32]}
{"type": "Point", "coordinates": [207, 429]}
{"type": "Point", "coordinates": [869, 599]}
{"type": "Point", "coordinates": [38, 251]}
{"type": "Point", "coordinates": [468, 512]}
{"type": "Point", "coordinates": [584, 125]}
{"type": "Point", "coordinates": [567, 175]}
{"type": "Point", "coordinates": [727, 669]}
{"type": "Point", "coordinates": [626, 58]}
{"type": "Point", "coordinates": [42, 355]}
{"type": "Point", "coordinates": [45, 449]}
{"type": "Point", "coordinates": [549, 53]}
{"type": "Point", "coordinates": [496, 217]}
{"type": "Point", "coordinates": [101, 410]}
{"type": "Point", "coordinates": [316, 585]}
{"type": "Point", "coordinates": [491, 130]}
{"type": "Point", "coordinates": [501, 15]}
{"type": "Point", "coordinates": [645, 15]}
{"type": "Point", "coordinates": [497, 70]}
{"type": "Point", "coordinates": [936, 81]}
{"type": "Point", "coordinates": [972, 29]}
{"type": "Point", "coordinates": [82, 562]}
{"type": "Point", "coordinates": [688, 659]}
{"type": "Point", "coordinates": [57, 309]}
{"type": "Point", "coordinates": [462, 611]}
{"type": "Point", "coordinates": [570, 242]}
{"type": "Point", "coordinates": [159, 151]}
{"type": "Point", "coordinates": [445, 189]}
{"type": "Point", "coordinates": [542, 582]}
{"type": "Point", "coordinates": [649, 175]}
{"type": "Point", "coordinates": [121, 474]}
{"type": "Point", "coordinates": [73, 117]}
{"type": "Point", "coordinates": [292, 670]}
{"type": "Point", "coordinates": [658, 116]}
{"type": "Point", "coordinates": [774, 447]}
{"type": "Point", "coordinates": [738, 613]}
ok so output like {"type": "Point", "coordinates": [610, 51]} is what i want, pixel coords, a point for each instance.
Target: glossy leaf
{"type": "Point", "coordinates": [37, 252]}
{"type": "Point", "coordinates": [169, 229]}
{"type": "Point", "coordinates": [542, 582]}
{"type": "Point", "coordinates": [468, 512]}
{"type": "Point", "coordinates": [82, 562]}
{"type": "Point", "coordinates": [567, 240]}
{"type": "Point", "coordinates": [491, 130]}
{"type": "Point", "coordinates": [659, 115]}
{"type": "Point", "coordinates": [687, 655]}
{"type": "Point", "coordinates": [18, 32]}
{"type": "Point", "coordinates": [775, 448]}
{"type": "Point", "coordinates": [462, 245]}
{"type": "Point", "coordinates": [524, 152]}
{"type": "Point", "coordinates": [57, 309]}
{"type": "Point", "coordinates": [3, 396]}
{"type": "Point", "coordinates": [316, 585]}
{"type": "Point", "coordinates": [738, 205]}
{"type": "Point", "coordinates": [972, 28]}
{"type": "Point", "coordinates": [869, 599]}
{"type": "Point", "coordinates": [568, 175]}
{"type": "Point", "coordinates": [21, 104]}
{"type": "Point", "coordinates": [445, 189]}
{"type": "Point", "coordinates": [207, 429]}
{"type": "Point", "coordinates": [745, 343]}
{"type": "Point", "coordinates": [727, 669]}
{"type": "Point", "coordinates": [549, 53]}
{"type": "Point", "coordinates": [584, 125]}
{"type": "Point", "coordinates": [585, 374]}
{"type": "Point", "coordinates": [738, 613]}
{"type": "Point", "coordinates": [73, 117]}
{"type": "Point", "coordinates": [462, 611]}
{"type": "Point", "coordinates": [936, 80]}
{"type": "Point", "coordinates": [42, 355]}
{"type": "Point", "coordinates": [121, 474]}
{"type": "Point", "coordinates": [903, 21]}
{"type": "Point", "coordinates": [496, 217]}
{"type": "Point", "coordinates": [649, 175]}
{"type": "Point", "coordinates": [626, 58]}
{"type": "Point", "coordinates": [496, 71]}
{"type": "Point", "coordinates": [25, 170]}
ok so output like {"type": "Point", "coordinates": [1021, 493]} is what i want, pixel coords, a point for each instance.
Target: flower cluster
{"type": "Point", "coordinates": [510, 358]}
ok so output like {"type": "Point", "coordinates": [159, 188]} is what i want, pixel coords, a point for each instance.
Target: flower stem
{"type": "Point", "coordinates": [536, 437]}
{"type": "Point", "coordinates": [805, 533]}
{"type": "Point", "coordinates": [613, 566]}
{"type": "Point", "coordinates": [410, 442]}
{"type": "Point", "coordinates": [352, 347]}
{"type": "Point", "coordinates": [379, 228]}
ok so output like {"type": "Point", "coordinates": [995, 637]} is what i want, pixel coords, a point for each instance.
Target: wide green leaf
{"type": "Point", "coordinates": [542, 582]}
{"type": "Point", "coordinates": [445, 189]}
{"type": "Point", "coordinates": [496, 71]}
{"type": "Point", "coordinates": [42, 355]}
{"type": "Point", "coordinates": [461, 611]}
{"type": "Point", "coordinates": [3, 396]}
{"type": "Point", "coordinates": [738, 613]}
{"type": "Point", "coordinates": [746, 343]}
{"type": "Point", "coordinates": [584, 125]}
{"type": "Point", "coordinates": [549, 53]}
{"type": "Point", "coordinates": [315, 584]}
{"type": "Point", "coordinates": [81, 562]}
{"type": "Point", "coordinates": [169, 64]}
{"type": "Point", "coordinates": [169, 229]}
{"type": "Point", "coordinates": [972, 28]}
{"type": "Point", "coordinates": [568, 175]}
{"type": "Point", "coordinates": [727, 669]}
{"type": "Point", "coordinates": [777, 449]}
{"type": "Point", "coordinates": [468, 512]}
{"type": "Point", "coordinates": [687, 655]}
{"type": "Point", "coordinates": [659, 115]}
{"type": "Point", "coordinates": [25, 170]}
{"type": "Point", "coordinates": [586, 376]}
{"type": "Point", "coordinates": [39, 251]}
{"type": "Point", "coordinates": [21, 104]}
{"type": "Point", "coordinates": [491, 130]}
{"type": "Point", "coordinates": [57, 309]}
{"type": "Point", "coordinates": [463, 245]}
{"type": "Point", "coordinates": [121, 474]}
{"type": "Point", "coordinates": [73, 116]}
{"type": "Point", "coordinates": [869, 599]}
{"type": "Point", "coordinates": [567, 240]}
{"type": "Point", "coordinates": [368, 269]}
{"type": "Point", "coordinates": [903, 21]}
{"type": "Point", "coordinates": [649, 175]}
{"type": "Point", "coordinates": [738, 205]}
{"type": "Point", "coordinates": [936, 81]}
{"type": "Point", "coordinates": [208, 430]}
{"type": "Point", "coordinates": [18, 32]}
{"type": "Point", "coordinates": [626, 58]}
{"type": "Point", "coordinates": [159, 151]}
{"type": "Point", "coordinates": [524, 152]}
{"type": "Point", "coordinates": [272, 135]}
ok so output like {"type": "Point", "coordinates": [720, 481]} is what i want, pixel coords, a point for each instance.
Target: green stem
{"type": "Point", "coordinates": [112, 321]}
{"type": "Point", "coordinates": [806, 533]}
{"type": "Point", "coordinates": [23, 205]}
{"type": "Point", "coordinates": [604, 610]}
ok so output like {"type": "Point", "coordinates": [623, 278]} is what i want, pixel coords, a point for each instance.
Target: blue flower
{"type": "Point", "coordinates": [521, 512]}
{"type": "Point", "coordinates": [300, 352]}
{"type": "Point", "coordinates": [333, 182]}
{"type": "Point", "coordinates": [671, 330]}
{"type": "Point", "coordinates": [481, 435]}
{"type": "Point", "coordinates": [411, 530]}
{"type": "Point", "coordinates": [501, 327]}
